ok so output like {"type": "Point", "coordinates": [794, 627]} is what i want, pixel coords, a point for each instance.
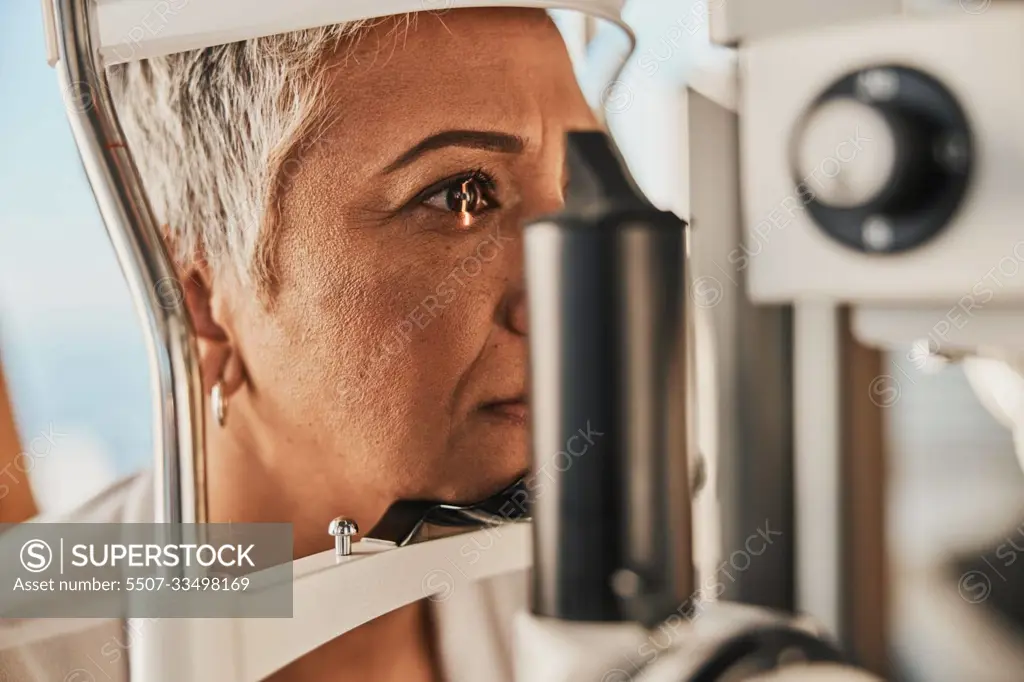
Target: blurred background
{"type": "Point", "coordinates": [77, 371]}
{"type": "Point", "coordinates": [71, 344]}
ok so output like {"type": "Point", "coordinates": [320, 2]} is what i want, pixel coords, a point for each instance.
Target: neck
{"type": "Point", "coordinates": [244, 487]}
{"type": "Point", "coordinates": [249, 482]}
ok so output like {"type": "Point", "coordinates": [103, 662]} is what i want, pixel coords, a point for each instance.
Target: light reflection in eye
{"type": "Point", "coordinates": [463, 200]}
{"type": "Point", "coordinates": [466, 198]}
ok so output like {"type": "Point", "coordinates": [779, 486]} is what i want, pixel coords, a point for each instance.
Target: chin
{"type": "Point", "coordinates": [482, 470]}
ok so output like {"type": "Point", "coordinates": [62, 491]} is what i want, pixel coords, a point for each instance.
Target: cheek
{"type": "Point", "coordinates": [398, 307]}
{"type": "Point", "coordinates": [377, 333]}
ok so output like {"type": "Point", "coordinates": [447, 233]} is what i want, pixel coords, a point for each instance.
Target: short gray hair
{"type": "Point", "coordinates": [211, 131]}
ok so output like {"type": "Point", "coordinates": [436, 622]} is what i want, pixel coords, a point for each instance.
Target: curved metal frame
{"type": "Point", "coordinates": [179, 471]}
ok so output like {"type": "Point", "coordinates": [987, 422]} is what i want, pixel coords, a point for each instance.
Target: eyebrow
{"type": "Point", "coordinates": [471, 139]}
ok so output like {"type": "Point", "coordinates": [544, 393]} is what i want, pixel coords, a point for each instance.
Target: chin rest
{"type": "Point", "coordinates": [408, 521]}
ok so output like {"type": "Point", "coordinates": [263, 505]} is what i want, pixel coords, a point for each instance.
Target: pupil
{"type": "Point", "coordinates": [463, 198]}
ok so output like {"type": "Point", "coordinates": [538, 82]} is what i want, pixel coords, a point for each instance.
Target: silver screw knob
{"type": "Point", "coordinates": [343, 529]}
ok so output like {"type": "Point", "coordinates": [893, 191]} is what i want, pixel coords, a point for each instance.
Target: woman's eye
{"type": "Point", "coordinates": [465, 196]}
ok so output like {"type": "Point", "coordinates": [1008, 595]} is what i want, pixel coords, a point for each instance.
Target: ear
{"type": "Point", "coordinates": [219, 359]}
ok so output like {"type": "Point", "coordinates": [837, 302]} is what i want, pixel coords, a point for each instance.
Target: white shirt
{"type": "Point", "coordinates": [473, 625]}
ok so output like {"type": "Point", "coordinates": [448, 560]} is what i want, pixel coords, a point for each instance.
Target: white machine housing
{"type": "Point", "coordinates": [960, 295]}
{"type": "Point", "coordinates": [790, 258]}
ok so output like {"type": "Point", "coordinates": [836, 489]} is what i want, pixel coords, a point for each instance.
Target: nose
{"type": "Point", "coordinates": [547, 198]}
{"type": "Point", "coordinates": [511, 310]}
{"type": "Point", "coordinates": [517, 319]}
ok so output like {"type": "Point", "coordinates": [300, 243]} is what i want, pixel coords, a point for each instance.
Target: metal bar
{"type": "Point", "coordinates": [142, 29]}
{"type": "Point", "coordinates": [751, 356]}
{"type": "Point", "coordinates": [179, 469]}
{"type": "Point", "coordinates": [819, 494]}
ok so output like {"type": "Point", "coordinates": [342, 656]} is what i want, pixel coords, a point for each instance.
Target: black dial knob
{"type": "Point", "coordinates": [882, 159]}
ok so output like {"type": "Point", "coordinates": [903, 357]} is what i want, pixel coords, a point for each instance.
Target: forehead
{"type": "Point", "coordinates": [489, 35]}
{"type": "Point", "coordinates": [471, 67]}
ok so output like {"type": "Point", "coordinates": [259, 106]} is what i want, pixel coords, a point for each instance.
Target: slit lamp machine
{"type": "Point", "coordinates": [857, 154]}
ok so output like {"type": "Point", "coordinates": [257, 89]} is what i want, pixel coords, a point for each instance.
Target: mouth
{"type": "Point", "coordinates": [515, 410]}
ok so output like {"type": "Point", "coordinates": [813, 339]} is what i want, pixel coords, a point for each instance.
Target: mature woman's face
{"type": "Point", "coordinates": [392, 360]}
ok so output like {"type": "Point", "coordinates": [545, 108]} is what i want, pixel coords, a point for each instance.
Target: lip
{"type": "Point", "coordinates": [515, 410]}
